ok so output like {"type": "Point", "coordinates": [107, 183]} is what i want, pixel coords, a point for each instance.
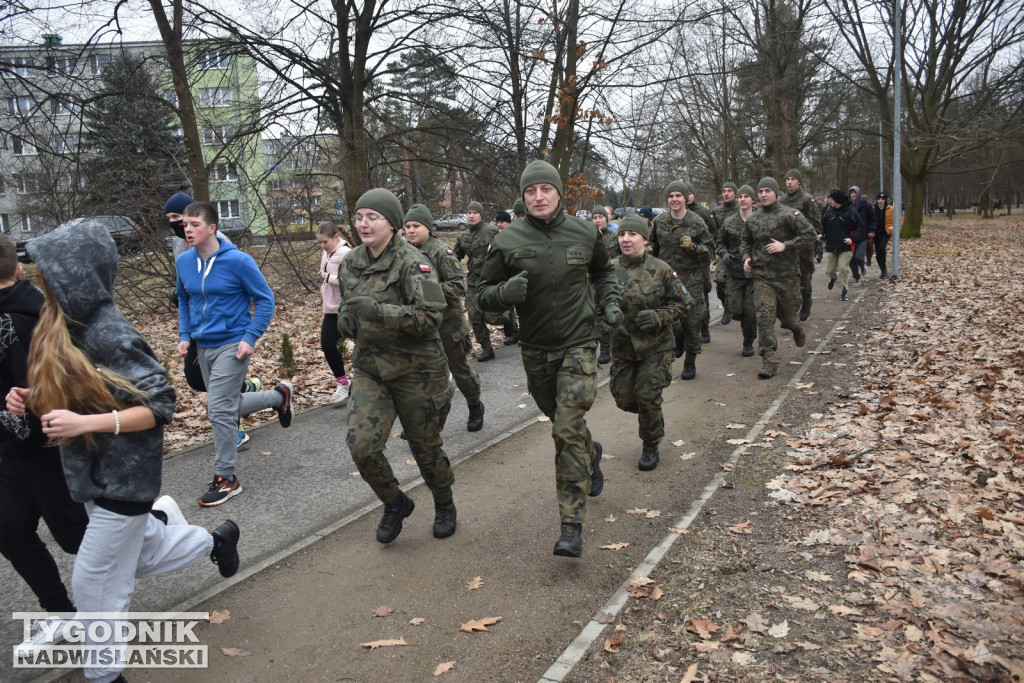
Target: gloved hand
{"type": "Point", "coordinates": [686, 242]}
{"type": "Point", "coordinates": [647, 319]}
{"type": "Point", "coordinates": [613, 315]}
{"type": "Point", "coordinates": [514, 290]}
{"type": "Point", "coordinates": [363, 308]}
{"type": "Point", "coordinates": [346, 324]}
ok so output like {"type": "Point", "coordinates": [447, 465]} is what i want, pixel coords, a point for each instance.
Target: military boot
{"type": "Point", "coordinates": [768, 370]}
{"type": "Point", "coordinates": [680, 346]}
{"type": "Point", "coordinates": [596, 475]}
{"type": "Point", "coordinates": [805, 309]}
{"type": "Point", "coordinates": [395, 513]}
{"type": "Point", "coordinates": [570, 543]}
{"type": "Point", "coordinates": [485, 355]}
{"type": "Point", "coordinates": [511, 335]}
{"type": "Point", "coordinates": [689, 366]}
{"type": "Point", "coordinates": [476, 418]}
{"type": "Point", "coordinates": [444, 520]}
{"type": "Point", "coordinates": [705, 333]}
{"type": "Point", "coordinates": [605, 357]}
{"type": "Point", "coordinates": [748, 348]}
{"type": "Point", "coordinates": [648, 458]}
{"type": "Point", "coordinates": [799, 337]}
{"type": "Point", "coordinates": [726, 316]}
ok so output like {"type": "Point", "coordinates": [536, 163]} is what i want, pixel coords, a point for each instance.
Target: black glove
{"type": "Point", "coordinates": [647, 319]}
{"type": "Point", "coordinates": [728, 259]}
{"type": "Point", "coordinates": [364, 308]}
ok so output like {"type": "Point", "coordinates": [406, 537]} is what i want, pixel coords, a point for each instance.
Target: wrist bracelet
{"type": "Point", "coordinates": [117, 424]}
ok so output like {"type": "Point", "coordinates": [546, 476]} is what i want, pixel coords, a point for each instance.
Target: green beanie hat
{"type": "Point", "coordinates": [540, 171]}
{"type": "Point", "coordinates": [770, 183]}
{"type": "Point", "coordinates": [793, 173]}
{"type": "Point", "coordinates": [689, 187]}
{"type": "Point", "coordinates": [475, 206]}
{"type": "Point", "coordinates": [599, 210]}
{"type": "Point", "coordinates": [731, 186]}
{"type": "Point", "coordinates": [519, 207]}
{"type": "Point", "coordinates": [676, 186]}
{"type": "Point", "coordinates": [420, 214]}
{"type": "Point", "coordinates": [384, 203]}
{"type": "Point", "coordinates": [634, 223]}
{"type": "Point", "coordinates": [747, 190]}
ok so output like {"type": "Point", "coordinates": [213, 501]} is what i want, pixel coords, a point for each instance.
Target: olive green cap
{"type": "Point", "coordinates": [770, 183]}
{"type": "Point", "coordinates": [634, 223]}
{"type": "Point", "coordinates": [420, 214]}
{"type": "Point", "coordinates": [747, 190]}
{"type": "Point", "coordinates": [475, 206]}
{"type": "Point", "coordinates": [599, 210]}
{"type": "Point", "coordinates": [384, 203]}
{"type": "Point", "coordinates": [540, 171]}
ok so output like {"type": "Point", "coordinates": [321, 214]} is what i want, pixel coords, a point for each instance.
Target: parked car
{"type": "Point", "coordinates": [452, 221]}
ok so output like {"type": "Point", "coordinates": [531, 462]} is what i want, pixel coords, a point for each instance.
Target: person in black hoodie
{"type": "Point", "coordinates": [867, 216]}
{"type": "Point", "coordinates": [32, 485]}
{"type": "Point", "coordinates": [843, 230]}
{"type": "Point", "coordinates": [109, 423]}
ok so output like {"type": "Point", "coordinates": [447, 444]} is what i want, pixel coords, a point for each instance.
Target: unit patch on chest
{"type": "Point", "coordinates": [575, 256]}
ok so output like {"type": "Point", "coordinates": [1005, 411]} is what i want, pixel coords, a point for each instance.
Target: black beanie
{"type": "Point", "coordinates": [178, 202]}
{"type": "Point", "coordinates": [385, 203]}
{"type": "Point", "coordinates": [503, 217]}
{"type": "Point", "coordinates": [839, 197]}
{"type": "Point", "coordinates": [540, 171]}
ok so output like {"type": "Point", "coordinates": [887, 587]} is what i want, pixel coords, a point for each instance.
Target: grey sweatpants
{"type": "Point", "coordinates": [223, 374]}
{"type": "Point", "coordinates": [116, 550]}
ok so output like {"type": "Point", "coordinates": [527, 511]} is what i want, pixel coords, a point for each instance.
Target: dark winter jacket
{"type": "Point", "coordinates": [79, 264]}
{"type": "Point", "coordinates": [866, 210]}
{"type": "Point", "coordinates": [838, 224]}
{"type": "Point", "coordinates": [19, 313]}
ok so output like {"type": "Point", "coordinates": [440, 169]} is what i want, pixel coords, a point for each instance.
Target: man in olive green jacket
{"type": "Point", "coordinates": [473, 243]}
{"type": "Point", "coordinates": [551, 266]}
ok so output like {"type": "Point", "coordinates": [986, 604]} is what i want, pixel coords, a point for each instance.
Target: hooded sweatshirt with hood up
{"type": "Point", "coordinates": [121, 473]}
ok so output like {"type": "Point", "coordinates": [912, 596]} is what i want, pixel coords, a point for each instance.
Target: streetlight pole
{"type": "Point", "coordinates": [897, 178]}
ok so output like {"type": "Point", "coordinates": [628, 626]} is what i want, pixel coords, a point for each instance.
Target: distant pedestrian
{"type": "Point", "coordinates": [335, 244]}
{"type": "Point", "coordinates": [721, 213]}
{"type": "Point", "coordinates": [104, 396]}
{"type": "Point", "coordinates": [555, 270]}
{"type": "Point", "coordinates": [739, 284]}
{"type": "Point", "coordinates": [654, 301]}
{"type": "Point", "coordinates": [511, 325]}
{"type": "Point", "coordinates": [797, 198]}
{"type": "Point", "coordinates": [867, 214]}
{"type": "Point", "coordinates": [611, 244]}
{"type": "Point", "coordinates": [472, 245]}
{"type": "Point", "coordinates": [883, 221]}
{"type": "Point", "coordinates": [772, 240]}
{"type": "Point", "coordinates": [454, 330]}
{"type": "Point", "coordinates": [844, 230]}
{"type": "Point", "coordinates": [224, 306]}
{"type": "Point", "coordinates": [392, 307]}
{"type": "Point", "coordinates": [697, 208]}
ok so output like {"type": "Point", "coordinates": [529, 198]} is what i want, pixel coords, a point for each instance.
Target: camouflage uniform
{"type": "Point", "coordinates": [454, 330]}
{"type": "Point", "coordinates": [642, 365]}
{"type": "Point", "coordinates": [721, 214]}
{"type": "Point", "coordinates": [808, 208]}
{"type": "Point", "coordinates": [567, 266]}
{"type": "Point", "coordinates": [666, 236]}
{"type": "Point", "coordinates": [709, 221]}
{"type": "Point", "coordinates": [776, 289]}
{"type": "Point", "coordinates": [400, 367]}
{"type": "Point", "coordinates": [611, 245]}
{"type": "Point", "coordinates": [473, 243]}
{"type": "Point", "coordinates": [739, 285]}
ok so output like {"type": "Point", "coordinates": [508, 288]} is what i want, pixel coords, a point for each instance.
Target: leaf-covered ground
{"type": "Point", "coordinates": [882, 537]}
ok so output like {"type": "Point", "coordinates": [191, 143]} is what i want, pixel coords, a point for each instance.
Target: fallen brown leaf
{"type": "Point", "coordinates": [614, 546]}
{"type": "Point", "coordinates": [383, 611]}
{"type": "Point", "coordinates": [479, 624]}
{"type": "Point", "coordinates": [235, 652]}
{"type": "Point", "coordinates": [387, 642]}
{"type": "Point", "coordinates": [443, 668]}
{"type": "Point", "coordinates": [219, 617]}
{"type": "Point", "coordinates": [475, 583]}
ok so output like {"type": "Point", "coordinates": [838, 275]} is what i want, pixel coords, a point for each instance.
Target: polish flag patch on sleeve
{"type": "Point", "coordinates": [450, 252]}
{"type": "Point", "coordinates": [675, 275]}
{"type": "Point", "coordinates": [424, 268]}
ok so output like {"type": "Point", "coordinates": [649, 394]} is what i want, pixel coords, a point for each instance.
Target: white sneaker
{"type": "Point", "coordinates": [166, 505]}
{"type": "Point", "coordinates": [340, 394]}
{"type": "Point", "coordinates": [39, 640]}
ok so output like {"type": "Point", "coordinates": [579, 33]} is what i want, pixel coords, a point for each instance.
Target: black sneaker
{"type": "Point", "coordinates": [596, 476]}
{"type": "Point", "coordinates": [705, 335]}
{"type": "Point", "coordinates": [648, 458]}
{"type": "Point", "coordinates": [476, 418]}
{"type": "Point", "coordinates": [485, 356]}
{"type": "Point", "coordinates": [748, 349]}
{"type": "Point", "coordinates": [225, 548]}
{"type": "Point", "coordinates": [510, 340]}
{"type": "Point", "coordinates": [726, 317]}
{"type": "Point", "coordinates": [831, 282]}
{"type": "Point", "coordinates": [284, 411]}
{"type": "Point", "coordinates": [805, 311]}
{"type": "Point", "coordinates": [689, 371]}
{"type": "Point", "coordinates": [570, 543]}
{"type": "Point", "coordinates": [394, 514]}
{"type": "Point", "coordinates": [444, 520]}
{"type": "Point", "coordinates": [221, 489]}
{"type": "Point", "coordinates": [843, 297]}
{"type": "Point", "coordinates": [799, 337]}
{"type": "Point", "coordinates": [604, 358]}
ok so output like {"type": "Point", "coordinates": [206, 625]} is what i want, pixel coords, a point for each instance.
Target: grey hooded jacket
{"type": "Point", "coordinates": [79, 264]}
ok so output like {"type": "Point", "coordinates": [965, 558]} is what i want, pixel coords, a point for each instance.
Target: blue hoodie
{"type": "Point", "coordinates": [214, 296]}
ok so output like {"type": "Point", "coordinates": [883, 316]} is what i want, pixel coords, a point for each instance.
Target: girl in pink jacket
{"type": "Point", "coordinates": [335, 243]}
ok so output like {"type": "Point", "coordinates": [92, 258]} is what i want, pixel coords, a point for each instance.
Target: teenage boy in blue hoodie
{"type": "Point", "coordinates": [217, 284]}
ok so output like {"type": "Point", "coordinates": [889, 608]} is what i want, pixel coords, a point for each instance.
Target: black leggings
{"type": "Point", "coordinates": [329, 339]}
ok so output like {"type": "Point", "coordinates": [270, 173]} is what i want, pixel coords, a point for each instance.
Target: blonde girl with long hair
{"type": "Point", "coordinates": [104, 397]}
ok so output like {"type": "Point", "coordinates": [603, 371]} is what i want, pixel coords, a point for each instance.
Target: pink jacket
{"type": "Point", "coordinates": [329, 264]}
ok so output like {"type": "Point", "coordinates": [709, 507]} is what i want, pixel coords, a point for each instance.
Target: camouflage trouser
{"type": "Point", "coordinates": [770, 300]}
{"type": "Point", "coordinates": [457, 347]}
{"type": "Point", "coordinates": [691, 323]}
{"type": "Point", "coordinates": [741, 303]}
{"type": "Point", "coordinates": [605, 334]}
{"type": "Point", "coordinates": [478, 321]}
{"type": "Point", "coordinates": [805, 257]}
{"type": "Point", "coordinates": [722, 288]}
{"type": "Point", "coordinates": [705, 317]}
{"type": "Point", "coordinates": [421, 401]}
{"type": "Point", "coordinates": [564, 385]}
{"type": "Point", "coordinates": [819, 248]}
{"type": "Point", "coordinates": [637, 386]}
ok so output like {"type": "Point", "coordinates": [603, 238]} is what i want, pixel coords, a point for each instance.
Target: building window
{"type": "Point", "coordinates": [30, 223]}
{"type": "Point", "coordinates": [299, 219]}
{"type": "Point", "coordinates": [317, 199]}
{"type": "Point", "coordinates": [25, 182]}
{"type": "Point", "coordinates": [21, 66]}
{"type": "Point", "coordinates": [274, 185]}
{"type": "Point", "coordinates": [64, 107]}
{"type": "Point", "coordinates": [98, 64]}
{"type": "Point", "coordinates": [276, 202]}
{"type": "Point", "coordinates": [69, 142]}
{"type": "Point", "coordinates": [223, 172]}
{"type": "Point", "coordinates": [5, 223]}
{"type": "Point", "coordinates": [271, 148]}
{"type": "Point", "coordinates": [217, 135]}
{"type": "Point", "coordinates": [228, 208]}
{"type": "Point", "coordinates": [215, 97]}
{"type": "Point", "coordinates": [213, 59]}
{"type": "Point", "coordinates": [172, 97]}
{"type": "Point", "coordinates": [63, 65]}
{"type": "Point", "coordinates": [23, 148]}
{"type": "Point", "coordinates": [20, 105]}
